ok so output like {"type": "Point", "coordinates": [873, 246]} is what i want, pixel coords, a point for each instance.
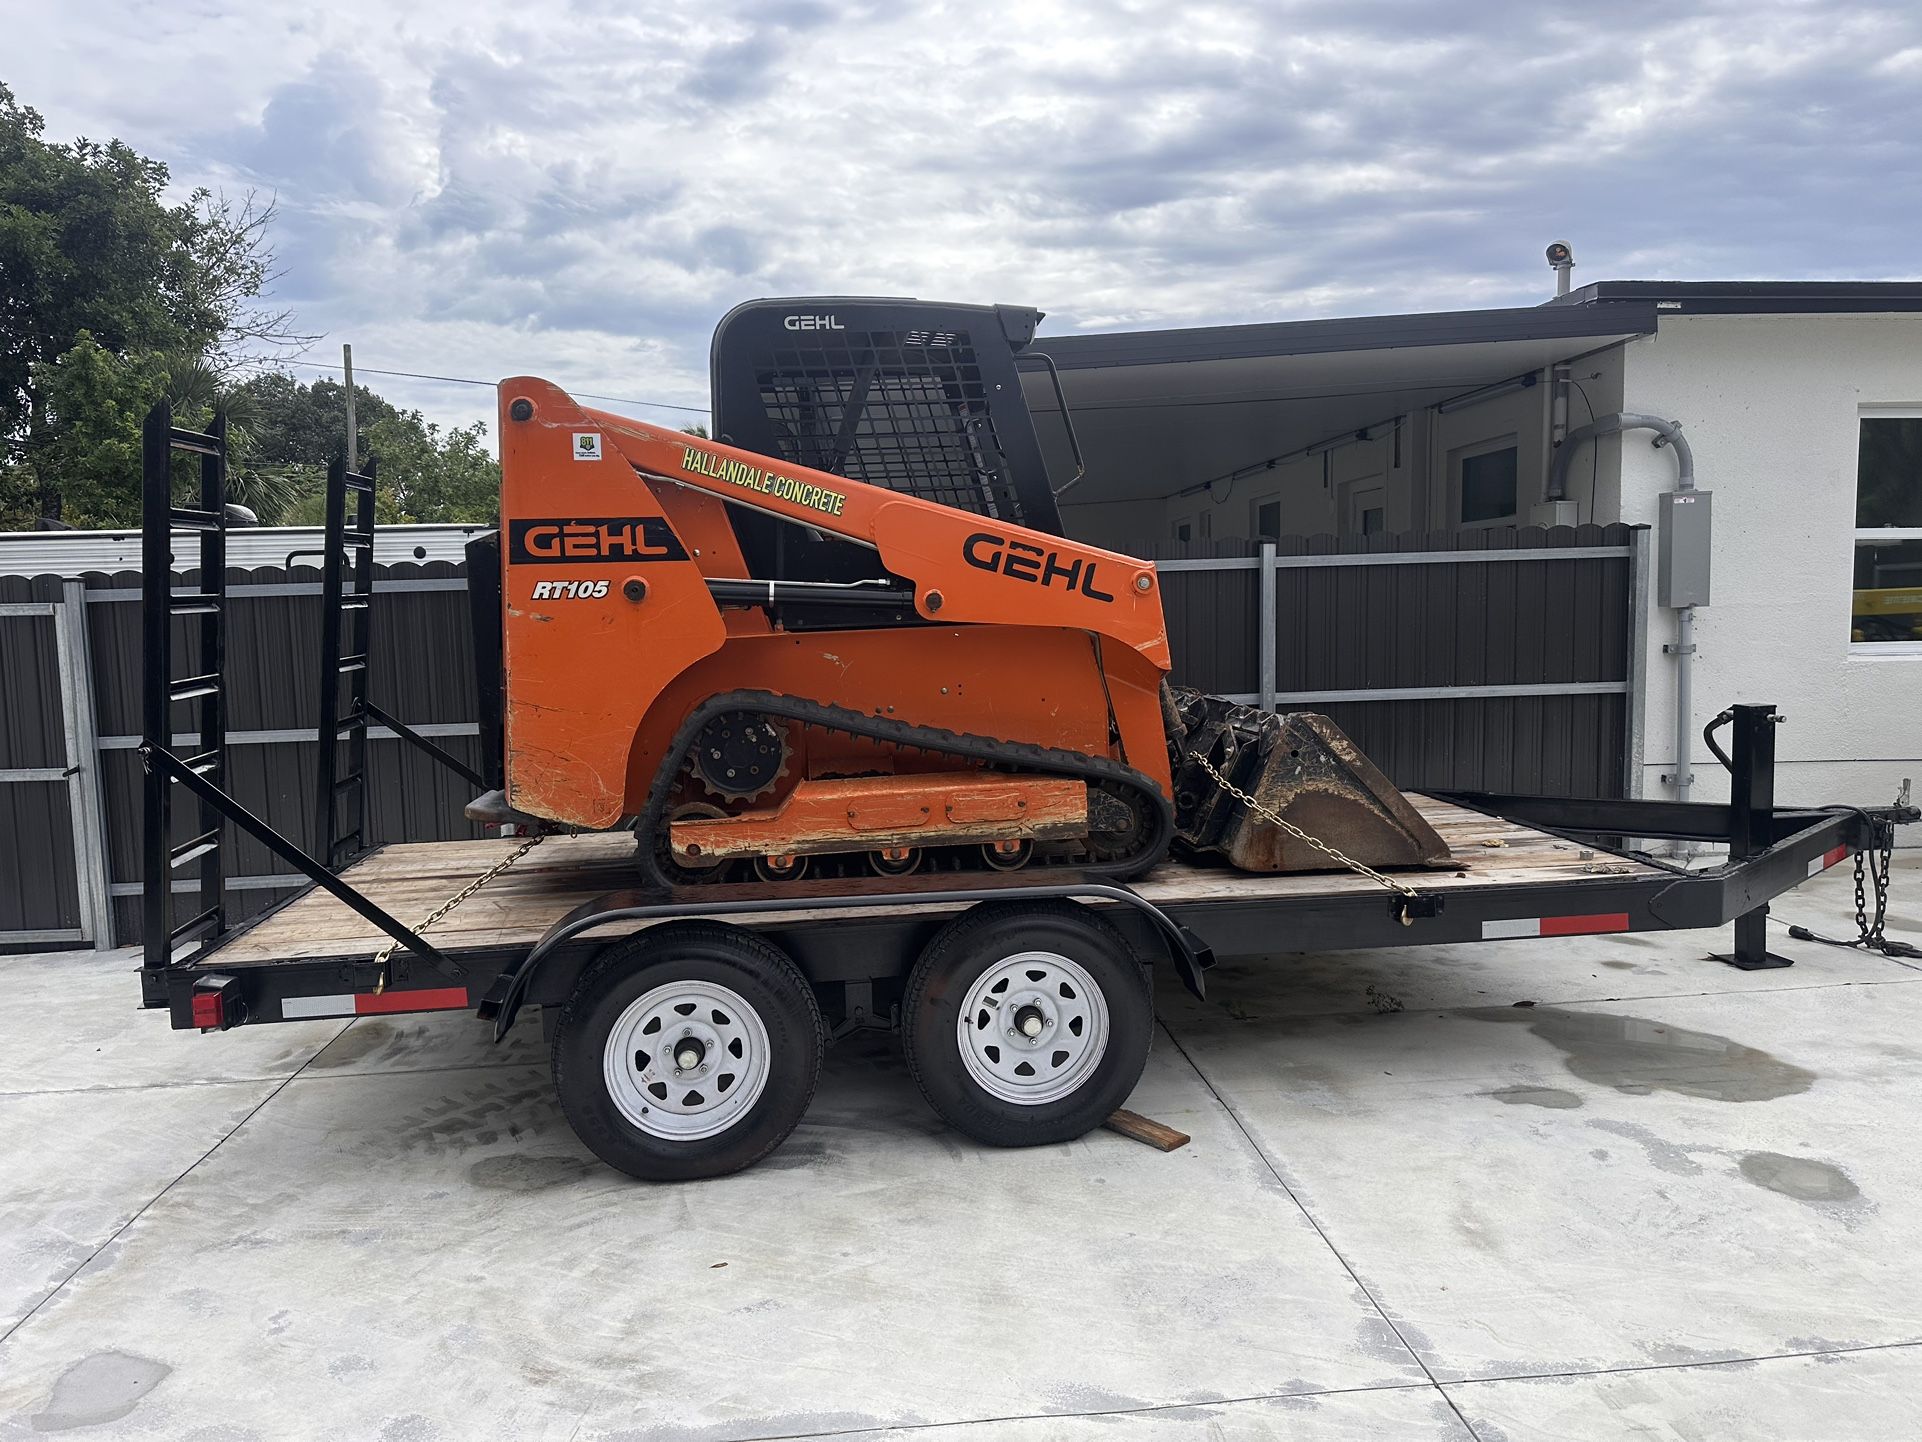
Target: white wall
{"type": "Point", "coordinates": [1770, 405]}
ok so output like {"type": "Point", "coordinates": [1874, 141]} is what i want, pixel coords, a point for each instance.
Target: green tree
{"type": "Point", "coordinates": [101, 281]}
{"type": "Point", "coordinates": [424, 472]}
{"type": "Point", "coordinates": [90, 403]}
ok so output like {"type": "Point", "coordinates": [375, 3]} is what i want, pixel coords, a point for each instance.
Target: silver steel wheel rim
{"type": "Point", "coordinates": [668, 1026]}
{"type": "Point", "coordinates": [1033, 1065]}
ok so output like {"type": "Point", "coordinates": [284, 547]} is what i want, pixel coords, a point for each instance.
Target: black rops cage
{"type": "Point", "coordinates": [918, 397]}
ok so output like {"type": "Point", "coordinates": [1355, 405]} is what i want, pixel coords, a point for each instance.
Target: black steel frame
{"type": "Point", "coordinates": [855, 938]}
{"type": "Point", "coordinates": [163, 966]}
{"type": "Point", "coordinates": [346, 655]}
{"type": "Point", "coordinates": [160, 518]}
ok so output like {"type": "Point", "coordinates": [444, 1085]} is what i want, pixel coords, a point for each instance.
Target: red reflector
{"type": "Point", "coordinates": [208, 1010]}
{"type": "Point", "coordinates": [444, 998]}
{"type": "Point", "coordinates": [1584, 925]}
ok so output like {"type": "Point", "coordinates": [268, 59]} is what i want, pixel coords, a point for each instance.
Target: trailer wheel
{"type": "Point", "coordinates": [690, 1051]}
{"type": "Point", "coordinates": [1027, 1024]}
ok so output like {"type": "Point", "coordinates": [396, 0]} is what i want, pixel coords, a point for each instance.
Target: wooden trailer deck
{"type": "Point", "coordinates": [517, 907]}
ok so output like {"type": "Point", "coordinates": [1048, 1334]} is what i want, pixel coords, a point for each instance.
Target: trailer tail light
{"type": "Point", "coordinates": [216, 1003]}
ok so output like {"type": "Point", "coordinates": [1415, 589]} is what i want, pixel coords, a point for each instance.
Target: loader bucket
{"type": "Point", "coordinates": [1300, 766]}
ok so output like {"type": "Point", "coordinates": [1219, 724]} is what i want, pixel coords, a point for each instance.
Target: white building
{"type": "Point", "coordinates": [1801, 402]}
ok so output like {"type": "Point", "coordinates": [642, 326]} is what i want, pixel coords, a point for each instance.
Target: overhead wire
{"type": "Point", "coordinates": [466, 381]}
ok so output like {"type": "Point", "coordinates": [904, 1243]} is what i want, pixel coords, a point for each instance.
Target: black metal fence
{"type": "Point", "coordinates": [1501, 660]}
{"type": "Point", "coordinates": [422, 670]}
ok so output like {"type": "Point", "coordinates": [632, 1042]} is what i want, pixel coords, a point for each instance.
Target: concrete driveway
{"type": "Point", "coordinates": [1666, 1200]}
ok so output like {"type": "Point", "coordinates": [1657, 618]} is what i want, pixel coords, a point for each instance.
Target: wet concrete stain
{"type": "Point", "coordinates": [513, 1172]}
{"type": "Point", "coordinates": [357, 1043]}
{"type": "Point", "coordinates": [1799, 1177]}
{"type": "Point", "coordinates": [1662, 1154]}
{"type": "Point", "coordinates": [1554, 1098]}
{"type": "Point", "coordinates": [1077, 1398]}
{"type": "Point", "coordinates": [1638, 1056]}
{"type": "Point", "coordinates": [493, 1108]}
{"type": "Point", "coordinates": [793, 1424]}
{"type": "Point", "coordinates": [102, 1388]}
{"type": "Point", "coordinates": [1619, 965]}
{"type": "Point", "coordinates": [797, 1153]}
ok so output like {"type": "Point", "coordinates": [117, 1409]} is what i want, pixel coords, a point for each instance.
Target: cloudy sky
{"type": "Point", "coordinates": [478, 188]}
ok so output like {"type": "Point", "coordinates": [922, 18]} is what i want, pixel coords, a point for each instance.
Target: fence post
{"type": "Point", "coordinates": [1635, 704]}
{"type": "Point", "coordinates": [1265, 627]}
{"type": "Point", "coordinates": [85, 794]}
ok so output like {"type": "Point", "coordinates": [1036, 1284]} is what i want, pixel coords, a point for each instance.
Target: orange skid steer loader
{"type": "Point", "coordinates": [853, 641]}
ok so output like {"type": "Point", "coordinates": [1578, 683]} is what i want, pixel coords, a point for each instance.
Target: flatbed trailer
{"type": "Point", "coordinates": [562, 901]}
{"type": "Point", "coordinates": [689, 1022]}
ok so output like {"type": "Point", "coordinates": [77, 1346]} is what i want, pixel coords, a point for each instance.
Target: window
{"type": "Point", "coordinates": [1183, 531]}
{"type": "Point", "coordinates": [1364, 508]}
{"type": "Point", "coordinates": [1887, 605]}
{"type": "Point", "coordinates": [1486, 480]}
{"type": "Point", "coordinates": [1267, 520]}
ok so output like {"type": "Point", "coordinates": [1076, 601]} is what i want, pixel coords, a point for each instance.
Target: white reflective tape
{"type": "Point", "coordinates": [1520, 926]}
{"type": "Point", "coordinates": [304, 1007]}
{"type": "Point", "coordinates": [1827, 859]}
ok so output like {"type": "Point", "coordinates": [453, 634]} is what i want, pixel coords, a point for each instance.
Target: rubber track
{"type": "Point", "coordinates": [1043, 760]}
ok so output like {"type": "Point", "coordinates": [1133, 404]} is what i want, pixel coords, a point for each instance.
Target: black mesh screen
{"type": "Point", "coordinates": [903, 409]}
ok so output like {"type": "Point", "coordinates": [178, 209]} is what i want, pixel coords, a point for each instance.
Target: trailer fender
{"type": "Point", "coordinates": [1191, 956]}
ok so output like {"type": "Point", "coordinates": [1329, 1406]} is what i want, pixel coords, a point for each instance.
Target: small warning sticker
{"type": "Point", "coordinates": [587, 445]}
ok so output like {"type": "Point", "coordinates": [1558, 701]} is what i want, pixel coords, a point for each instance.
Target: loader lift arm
{"type": "Point", "coordinates": [960, 563]}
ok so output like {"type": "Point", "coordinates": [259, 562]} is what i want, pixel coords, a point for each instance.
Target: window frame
{"type": "Point", "coordinates": [1458, 457]}
{"type": "Point", "coordinates": [1858, 534]}
{"type": "Point", "coordinates": [1352, 493]}
{"type": "Point", "coordinates": [1255, 508]}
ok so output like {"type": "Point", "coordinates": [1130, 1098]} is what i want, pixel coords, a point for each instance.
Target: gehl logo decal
{"type": "Point", "coordinates": [577, 539]}
{"type": "Point", "coordinates": [1023, 562]}
{"type": "Point", "coordinates": [811, 322]}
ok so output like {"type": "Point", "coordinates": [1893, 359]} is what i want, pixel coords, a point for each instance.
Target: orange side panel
{"type": "Point", "coordinates": [583, 662]}
{"type": "Point", "coordinates": [701, 521]}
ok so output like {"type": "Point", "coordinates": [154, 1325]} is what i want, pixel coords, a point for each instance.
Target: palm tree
{"type": "Point", "coordinates": [200, 386]}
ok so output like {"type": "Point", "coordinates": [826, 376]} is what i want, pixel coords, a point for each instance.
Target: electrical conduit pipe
{"type": "Point", "coordinates": [1668, 433]}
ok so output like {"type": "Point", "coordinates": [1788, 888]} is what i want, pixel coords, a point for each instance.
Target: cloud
{"type": "Point", "coordinates": [468, 189]}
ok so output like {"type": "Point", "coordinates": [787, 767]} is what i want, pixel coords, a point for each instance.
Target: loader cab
{"type": "Point", "coordinates": [915, 396]}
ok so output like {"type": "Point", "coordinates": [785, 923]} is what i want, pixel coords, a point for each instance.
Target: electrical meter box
{"type": "Point", "coordinates": [1681, 548]}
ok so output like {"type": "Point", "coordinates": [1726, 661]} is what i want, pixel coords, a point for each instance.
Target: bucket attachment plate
{"type": "Point", "coordinates": [1299, 765]}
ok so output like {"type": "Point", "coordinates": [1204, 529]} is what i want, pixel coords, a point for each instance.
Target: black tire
{"type": "Point", "coordinates": [779, 999]}
{"type": "Point", "coordinates": [960, 956]}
